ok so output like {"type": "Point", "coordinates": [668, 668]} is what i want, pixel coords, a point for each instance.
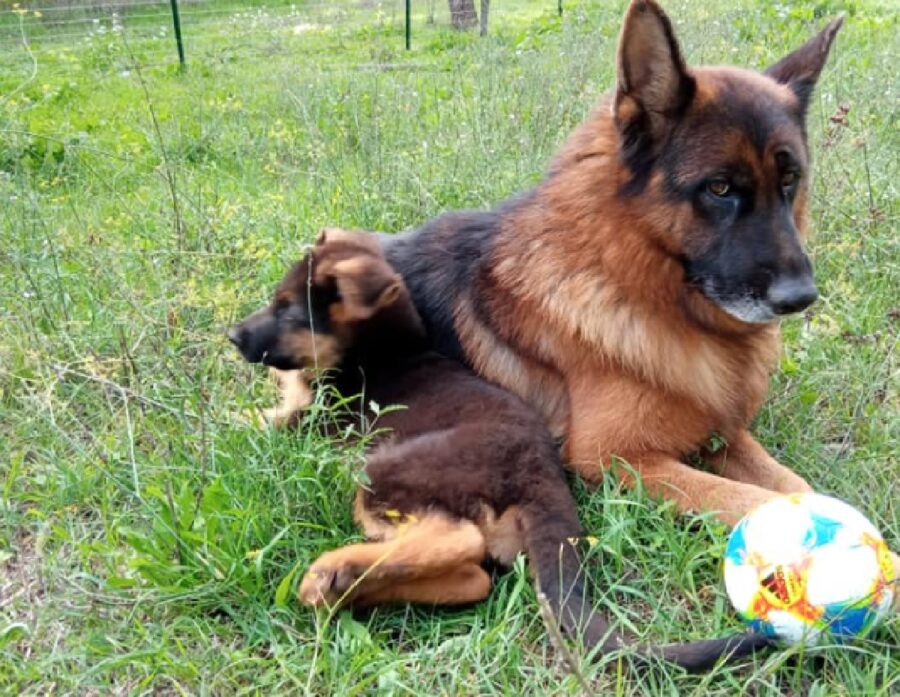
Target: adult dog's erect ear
{"type": "Point", "coordinates": [801, 68]}
{"type": "Point", "coordinates": [652, 83]}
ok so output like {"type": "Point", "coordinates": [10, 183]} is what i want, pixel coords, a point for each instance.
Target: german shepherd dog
{"type": "Point", "coordinates": [466, 473]}
{"type": "Point", "coordinates": [633, 296]}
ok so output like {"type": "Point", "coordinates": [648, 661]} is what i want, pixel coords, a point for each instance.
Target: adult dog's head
{"type": "Point", "coordinates": [321, 305]}
{"type": "Point", "coordinates": [718, 161]}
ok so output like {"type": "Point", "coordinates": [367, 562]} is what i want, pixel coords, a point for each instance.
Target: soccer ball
{"type": "Point", "coordinates": [805, 565]}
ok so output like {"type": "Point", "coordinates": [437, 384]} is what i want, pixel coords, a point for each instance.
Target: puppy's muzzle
{"type": "Point", "coordinates": [243, 341]}
{"type": "Point", "coordinates": [255, 336]}
{"type": "Point", "coordinates": [235, 336]}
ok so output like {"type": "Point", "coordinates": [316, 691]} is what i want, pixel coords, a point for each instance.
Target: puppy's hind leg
{"type": "Point", "coordinates": [429, 548]}
{"type": "Point", "coordinates": [467, 583]}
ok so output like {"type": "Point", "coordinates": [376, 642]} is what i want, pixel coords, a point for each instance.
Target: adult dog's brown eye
{"type": "Point", "coordinates": [789, 179]}
{"type": "Point", "coordinates": [718, 187]}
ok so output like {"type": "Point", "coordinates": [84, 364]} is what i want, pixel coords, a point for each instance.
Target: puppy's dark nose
{"type": "Point", "coordinates": [792, 294]}
{"type": "Point", "coordinates": [236, 335]}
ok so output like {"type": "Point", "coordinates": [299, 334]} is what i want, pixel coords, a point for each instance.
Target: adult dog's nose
{"type": "Point", "coordinates": [792, 294]}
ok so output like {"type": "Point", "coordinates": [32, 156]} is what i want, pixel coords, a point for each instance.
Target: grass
{"type": "Point", "coordinates": [151, 543]}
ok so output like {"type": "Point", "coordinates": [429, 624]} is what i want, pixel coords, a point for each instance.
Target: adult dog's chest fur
{"type": "Point", "coordinates": [553, 327]}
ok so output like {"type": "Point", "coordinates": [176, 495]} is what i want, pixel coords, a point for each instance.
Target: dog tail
{"type": "Point", "coordinates": [557, 568]}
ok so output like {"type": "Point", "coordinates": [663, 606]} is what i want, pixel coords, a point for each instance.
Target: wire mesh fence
{"type": "Point", "coordinates": [216, 28]}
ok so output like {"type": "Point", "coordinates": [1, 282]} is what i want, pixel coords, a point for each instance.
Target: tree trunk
{"type": "Point", "coordinates": [462, 14]}
{"type": "Point", "coordinates": [485, 8]}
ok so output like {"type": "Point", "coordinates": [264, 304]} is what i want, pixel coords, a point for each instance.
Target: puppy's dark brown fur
{"type": "Point", "coordinates": [466, 472]}
{"type": "Point", "coordinates": [632, 296]}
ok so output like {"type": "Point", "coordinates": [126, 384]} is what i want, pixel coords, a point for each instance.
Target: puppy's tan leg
{"type": "Point", "coordinates": [467, 583]}
{"type": "Point", "coordinates": [294, 396]}
{"type": "Point", "coordinates": [745, 460]}
{"type": "Point", "coordinates": [431, 547]}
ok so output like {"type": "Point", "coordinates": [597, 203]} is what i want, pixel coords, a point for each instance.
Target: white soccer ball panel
{"type": "Point", "coordinates": [741, 584]}
{"type": "Point", "coordinates": [886, 606]}
{"type": "Point", "coordinates": [792, 629]}
{"type": "Point", "coordinates": [841, 574]}
{"type": "Point", "coordinates": [778, 531]}
{"type": "Point", "coordinates": [853, 522]}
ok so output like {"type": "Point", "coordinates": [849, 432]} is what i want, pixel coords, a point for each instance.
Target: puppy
{"type": "Point", "coordinates": [466, 473]}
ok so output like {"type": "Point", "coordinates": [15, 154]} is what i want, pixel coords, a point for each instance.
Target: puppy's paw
{"type": "Point", "coordinates": [273, 417]}
{"type": "Point", "coordinates": [327, 585]}
{"type": "Point", "coordinates": [316, 588]}
{"type": "Point", "coordinates": [248, 418]}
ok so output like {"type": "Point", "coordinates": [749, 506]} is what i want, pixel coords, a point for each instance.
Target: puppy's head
{"type": "Point", "coordinates": [321, 305]}
{"type": "Point", "coordinates": [718, 159]}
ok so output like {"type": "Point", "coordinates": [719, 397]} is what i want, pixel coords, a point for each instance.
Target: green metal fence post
{"type": "Point", "coordinates": [177, 21]}
{"type": "Point", "coordinates": [408, 21]}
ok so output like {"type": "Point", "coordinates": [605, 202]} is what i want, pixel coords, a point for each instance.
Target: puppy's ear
{"type": "Point", "coordinates": [801, 68]}
{"type": "Point", "coordinates": [365, 287]}
{"type": "Point", "coordinates": [356, 238]}
{"type": "Point", "coordinates": [391, 294]}
{"type": "Point", "coordinates": [336, 234]}
{"type": "Point", "coordinates": [653, 86]}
